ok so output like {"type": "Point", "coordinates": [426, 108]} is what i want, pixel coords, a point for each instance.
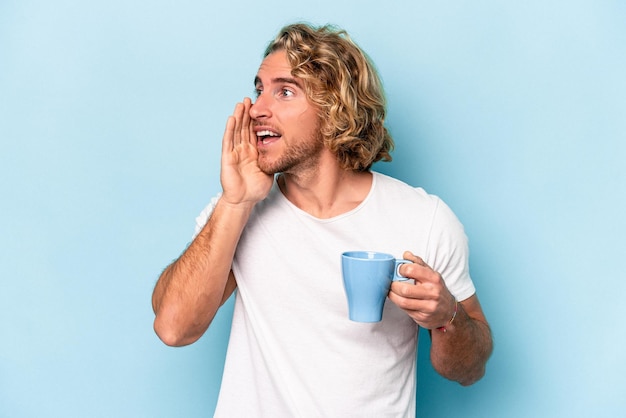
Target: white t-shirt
{"type": "Point", "coordinates": [293, 352]}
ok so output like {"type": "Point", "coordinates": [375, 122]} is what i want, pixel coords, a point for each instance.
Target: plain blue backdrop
{"type": "Point", "coordinates": [111, 117]}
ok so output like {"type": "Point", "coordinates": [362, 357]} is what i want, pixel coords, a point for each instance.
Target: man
{"type": "Point", "coordinates": [297, 192]}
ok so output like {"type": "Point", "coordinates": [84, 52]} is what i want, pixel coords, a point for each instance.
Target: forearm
{"type": "Point", "coordinates": [461, 353]}
{"type": "Point", "coordinates": [191, 290]}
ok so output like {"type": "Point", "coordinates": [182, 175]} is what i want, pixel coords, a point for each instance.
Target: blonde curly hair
{"type": "Point", "coordinates": [341, 80]}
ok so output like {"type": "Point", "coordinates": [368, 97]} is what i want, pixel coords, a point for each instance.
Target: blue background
{"type": "Point", "coordinates": [111, 116]}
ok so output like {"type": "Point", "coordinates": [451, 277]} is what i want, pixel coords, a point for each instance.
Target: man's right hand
{"type": "Point", "coordinates": [242, 179]}
{"type": "Point", "coordinates": [190, 291]}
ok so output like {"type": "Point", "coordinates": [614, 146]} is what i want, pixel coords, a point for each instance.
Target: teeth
{"type": "Point", "coordinates": [266, 133]}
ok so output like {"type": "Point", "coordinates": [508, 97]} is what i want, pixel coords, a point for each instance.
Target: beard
{"type": "Point", "coordinates": [295, 158]}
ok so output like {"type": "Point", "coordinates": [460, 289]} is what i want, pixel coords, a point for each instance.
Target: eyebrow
{"type": "Point", "coordinates": [284, 80]}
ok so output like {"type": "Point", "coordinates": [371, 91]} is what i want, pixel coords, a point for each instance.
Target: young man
{"type": "Point", "coordinates": [297, 192]}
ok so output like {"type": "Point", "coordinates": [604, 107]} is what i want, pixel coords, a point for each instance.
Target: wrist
{"type": "Point", "coordinates": [444, 328]}
{"type": "Point", "coordinates": [244, 206]}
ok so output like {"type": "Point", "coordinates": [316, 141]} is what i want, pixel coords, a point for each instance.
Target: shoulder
{"type": "Point", "coordinates": [393, 187]}
{"type": "Point", "coordinates": [421, 203]}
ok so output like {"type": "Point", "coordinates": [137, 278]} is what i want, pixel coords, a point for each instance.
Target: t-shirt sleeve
{"type": "Point", "coordinates": [448, 252]}
{"type": "Point", "coordinates": [204, 216]}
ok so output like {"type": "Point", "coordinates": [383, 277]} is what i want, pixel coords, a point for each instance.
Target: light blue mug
{"type": "Point", "coordinates": [367, 277]}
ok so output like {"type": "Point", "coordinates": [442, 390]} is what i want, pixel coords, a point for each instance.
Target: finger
{"type": "Point", "coordinates": [253, 137]}
{"type": "Point", "coordinates": [415, 270]}
{"type": "Point", "coordinates": [238, 115]}
{"type": "Point", "coordinates": [411, 291]}
{"type": "Point", "coordinates": [411, 305]}
{"type": "Point", "coordinates": [418, 270]}
{"type": "Point", "coordinates": [229, 133]}
{"type": "Point", "coordinates": [408, 255]}
{"type": "Point", "coordinates": [411, 299]}
{"type": "Point", "coordinates": [245, 122]}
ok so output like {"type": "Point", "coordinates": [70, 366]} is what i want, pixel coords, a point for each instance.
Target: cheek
{"type": "Point", "coordinates": [308, 118]}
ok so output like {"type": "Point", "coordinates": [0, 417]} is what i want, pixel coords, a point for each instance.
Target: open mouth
{"type": "Point", "coordinates": [267, 136]}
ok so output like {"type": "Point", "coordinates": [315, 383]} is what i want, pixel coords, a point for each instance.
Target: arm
{"type": "Point", "coordinates": [191, 290]}
{"type": "Point", "coordinates": [461, 352]}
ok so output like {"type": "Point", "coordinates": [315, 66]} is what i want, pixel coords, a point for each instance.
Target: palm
{"type": "Point", "coordinates": [242, 179]}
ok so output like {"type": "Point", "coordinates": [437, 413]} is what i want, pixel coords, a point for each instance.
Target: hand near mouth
{"type": "Point", "coordinates": [242, 179]}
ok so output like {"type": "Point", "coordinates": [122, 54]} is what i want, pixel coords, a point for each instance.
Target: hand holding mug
{"type": "Point", "coordinates": [428, 301]}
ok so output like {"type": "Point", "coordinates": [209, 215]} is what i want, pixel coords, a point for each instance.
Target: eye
{"type": "Point", "coordinates": [258, 91]}
{"type": "Point", "coordinates": [285, 92]}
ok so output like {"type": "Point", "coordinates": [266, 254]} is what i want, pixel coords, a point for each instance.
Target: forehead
{"type": "Point", "coordinates": [274, 66]}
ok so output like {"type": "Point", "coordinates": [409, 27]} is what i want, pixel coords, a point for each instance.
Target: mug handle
{"type": "Point", "coordinates": [397, 277]}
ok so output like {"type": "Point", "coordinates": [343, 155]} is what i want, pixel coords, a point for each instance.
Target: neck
{"type": "Point", "coordinates": [327, 192]}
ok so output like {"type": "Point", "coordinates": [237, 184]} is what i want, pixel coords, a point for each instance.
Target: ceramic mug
{"type": "Point", "coordinates": [367, 277]}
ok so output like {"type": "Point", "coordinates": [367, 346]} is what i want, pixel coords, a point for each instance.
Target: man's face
{"type": "Point", "coordinates": [287, 125]}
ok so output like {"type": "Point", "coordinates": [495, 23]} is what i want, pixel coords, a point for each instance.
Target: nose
{"type": "Point", "coordinates": [260, 108]}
